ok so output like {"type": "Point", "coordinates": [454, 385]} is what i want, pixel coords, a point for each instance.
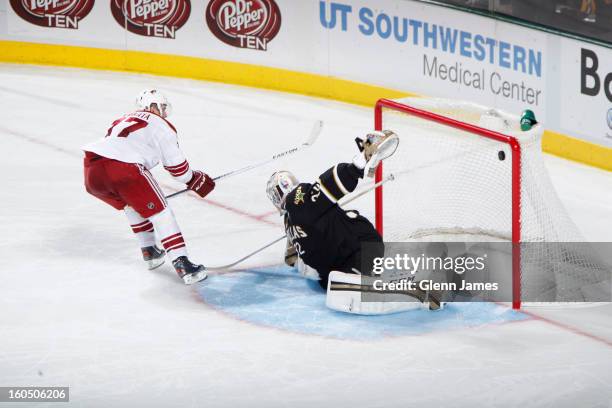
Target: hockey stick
{"type": "Point", "coordinates": [312, 138]}
{"type": "Point", "coordinates": [349, 199]}
{"type": "Point", "coordinates": [244, 258]}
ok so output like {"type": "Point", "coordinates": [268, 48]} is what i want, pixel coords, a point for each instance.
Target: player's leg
{"type": "Point", "coordinates": [353, 293]}
{"type": "Point", "coordinates": [99, 184]}
{"type": "Point", "coordinates": [139, 190]}
{"type": "Point", "coordinates": [172, 239]}
{"type": "Point", "coordinates": [349, 291]}
{"type": "Point", "coordinates": [143, 228]}
{"type": "Point", "coordinates": [365, 241]}
{"type": "Point", "coordinates": [359, 229]}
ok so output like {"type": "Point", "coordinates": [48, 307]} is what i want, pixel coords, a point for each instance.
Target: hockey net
{"type": "Point", "coordinates": [465, 172]}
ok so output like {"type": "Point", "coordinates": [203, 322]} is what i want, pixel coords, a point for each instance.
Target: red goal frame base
{"type": "Point", "coordinates": [515, 148]}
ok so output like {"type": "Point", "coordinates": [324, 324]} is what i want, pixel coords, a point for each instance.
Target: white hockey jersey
{"type": "Point", "coordinates": [144, 138]}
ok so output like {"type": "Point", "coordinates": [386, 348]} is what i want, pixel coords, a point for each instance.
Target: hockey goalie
{"type": "Point", "coordinates": [324, 241]}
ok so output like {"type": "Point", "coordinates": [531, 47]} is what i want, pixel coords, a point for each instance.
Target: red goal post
{"type": "Point", "coordinates": [515, 148]}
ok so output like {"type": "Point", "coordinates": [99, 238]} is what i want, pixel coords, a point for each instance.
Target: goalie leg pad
{"type": "Point", "coordinates": [343, 295]}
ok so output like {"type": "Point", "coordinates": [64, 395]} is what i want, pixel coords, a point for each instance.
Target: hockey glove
{"type": "Point", "coordinates": [201, 183]}
{"type": "Point", "coordinates": [376, 147]}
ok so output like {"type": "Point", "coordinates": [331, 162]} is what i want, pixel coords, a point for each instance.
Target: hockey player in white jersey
{"type": "Point", "coordinates": [117, 172]}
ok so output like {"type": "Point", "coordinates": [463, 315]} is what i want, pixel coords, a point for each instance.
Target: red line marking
{"type": "Point", "coordinates": [560, 325]}
{"type": "Point", "coordinates": [79, 154]}
{"type": "Point", "coordinates": [243, 213]}
{"type": "Point", "coordinates": [568, 328]}
{"type": "Point", "coordinates": [267, 214]}
{"type": "Point", "coordinates": [40, 142]}
{"type": "Point", "coordinates": [258, 218]}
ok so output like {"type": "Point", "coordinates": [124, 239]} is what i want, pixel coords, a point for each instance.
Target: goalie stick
{"type": "Point", "coordinates": [317, 127]}
{"type": "Point", "coordinates": [348, 199]}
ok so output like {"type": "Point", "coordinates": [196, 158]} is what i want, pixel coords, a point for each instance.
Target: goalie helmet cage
{"type": "Point", "coordinates": [468, 170]}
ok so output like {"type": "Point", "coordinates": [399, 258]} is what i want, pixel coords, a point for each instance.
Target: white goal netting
{"type": "Point", "coordinates": [455, 185]}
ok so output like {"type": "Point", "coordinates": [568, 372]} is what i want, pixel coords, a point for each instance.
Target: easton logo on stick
{"type": "Point", "coordinates": [53, 13]}
{"type": "Point", "coordinates": [151, 18]}
{"type": "Point", "coordinates": [244, 23]}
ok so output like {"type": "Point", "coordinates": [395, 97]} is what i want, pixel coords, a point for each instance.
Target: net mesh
{"type": "Point", "coordinates": [452, 184]}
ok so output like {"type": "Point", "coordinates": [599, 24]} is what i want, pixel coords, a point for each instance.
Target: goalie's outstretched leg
{"type": "Point", "coordinates": [345, 293]}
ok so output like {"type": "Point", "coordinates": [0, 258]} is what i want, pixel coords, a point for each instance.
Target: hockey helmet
{"type": "Point", "coordinates": [279, 185]}
{"type": "Point", "coordinates": [150, 97]}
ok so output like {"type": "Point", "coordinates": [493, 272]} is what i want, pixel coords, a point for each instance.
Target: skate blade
{"type": "Point", "coordinates": [156, 263]}
{"type": "Point", "coordinates": [194, 277]}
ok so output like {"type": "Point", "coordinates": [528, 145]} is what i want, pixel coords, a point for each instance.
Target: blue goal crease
{"type": "Point", "coordinates": [278, 297]}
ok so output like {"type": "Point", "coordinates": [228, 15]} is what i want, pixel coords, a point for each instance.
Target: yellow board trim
{"type": "Point", "coordinates": [577, 150]}
{"type": "Point", "coordinates": [259, 77]}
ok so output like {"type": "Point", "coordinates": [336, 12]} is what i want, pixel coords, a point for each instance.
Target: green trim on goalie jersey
{"type": "Point", "coordinates": [259, 77]}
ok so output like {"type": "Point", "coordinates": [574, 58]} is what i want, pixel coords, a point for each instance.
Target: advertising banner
{"type": "Point", "coordinates": [586, 94]}
{"type": "Point", "coordinates": [401, 45]}
{"type": "Point", "coordinates": [428, 50]}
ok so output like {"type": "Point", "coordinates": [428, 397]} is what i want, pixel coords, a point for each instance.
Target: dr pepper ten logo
{"type": "Point", "coordinates": [53, 13]}
{"type": "Point", "coordinates": [244, 23]}
{"type": "Point", "coordinates": [151, 18]}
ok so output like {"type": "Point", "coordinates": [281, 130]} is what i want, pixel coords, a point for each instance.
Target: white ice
{"type": "Point", "coordinates": [77, 307]}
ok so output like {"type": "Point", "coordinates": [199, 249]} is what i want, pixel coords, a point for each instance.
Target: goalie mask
{"type": "Point", "coordinates": [279, 185]}
{"type": "Point", "coordinates": [152, 97]}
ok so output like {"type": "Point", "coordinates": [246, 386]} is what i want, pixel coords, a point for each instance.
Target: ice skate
{"type": "Point", "coordinates": [190, 273]}
{"type": "Point", "coordinates": [153, 256]}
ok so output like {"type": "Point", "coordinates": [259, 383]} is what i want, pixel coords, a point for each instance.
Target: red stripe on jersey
{"type": "Point", "coordinates": [181, 173]}
{"type": "Point", "coordinates": [153, 185]}
{"type": "Point", "coordinates": [165, 120]}
{"type": "Point", "coordinates": [170, 124]}
{"type": "Point", "coordinates": [176, 167]}
{"type": "Point", "coordinates": [179, 169]}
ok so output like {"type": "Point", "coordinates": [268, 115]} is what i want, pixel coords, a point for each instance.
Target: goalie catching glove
{"type": "Point", "coordinates": [201, 183]}
{"type": "Point", "coordinates": [376, 147]}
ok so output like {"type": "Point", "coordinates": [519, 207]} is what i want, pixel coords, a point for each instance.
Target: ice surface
{"type": "Point", "coordinates": [79, 309]}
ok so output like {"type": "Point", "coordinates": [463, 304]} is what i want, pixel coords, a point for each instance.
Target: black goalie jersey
{"type": "Point", "coordinates": [326, 237]}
